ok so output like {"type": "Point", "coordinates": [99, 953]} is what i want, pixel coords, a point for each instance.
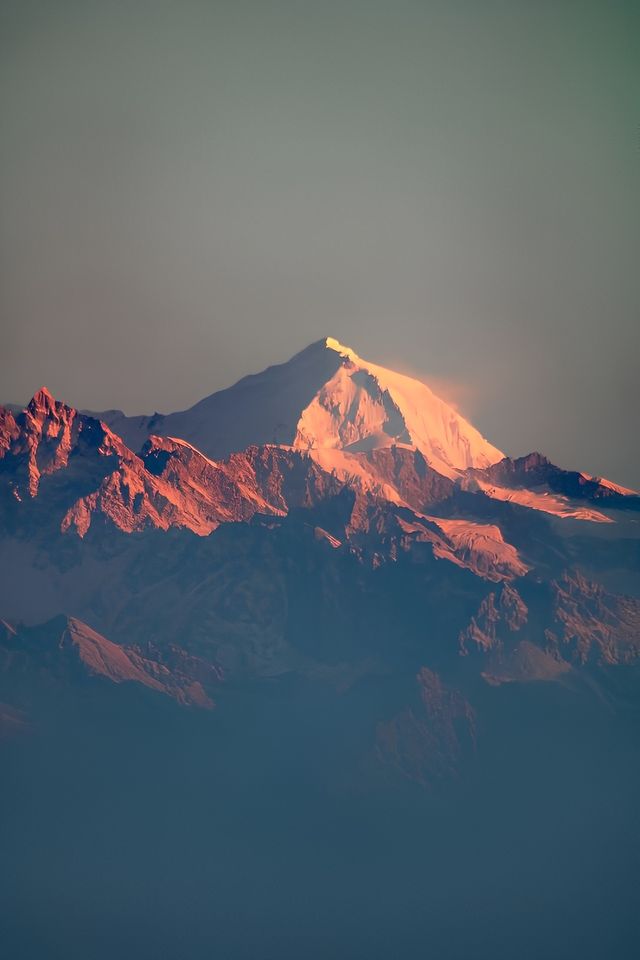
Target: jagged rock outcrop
{"type": "Point", "coordinates": [48, 436]}
{"type": "Point", "coordinates": [536, 470]}
{"type": "Point", "coordinates": [537, 484]}
{"type": "Point", "coordinates": [430, 741]}
{"type": "Point", "coordinates": [591, 625]}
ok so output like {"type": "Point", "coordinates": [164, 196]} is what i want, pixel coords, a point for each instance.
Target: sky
{"type": "Point", "coordinates": [191, 191]}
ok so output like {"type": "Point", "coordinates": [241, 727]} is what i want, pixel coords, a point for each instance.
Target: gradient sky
{"type": "Point", "coordinates": [193, 190]}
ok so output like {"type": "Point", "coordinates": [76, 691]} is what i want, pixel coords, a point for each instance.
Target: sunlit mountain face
{"type": "Point", "coordinates": [313, 669]}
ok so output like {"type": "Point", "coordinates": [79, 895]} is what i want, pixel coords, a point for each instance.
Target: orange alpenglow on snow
{"type": "Point", "coordinates": [364, 406]}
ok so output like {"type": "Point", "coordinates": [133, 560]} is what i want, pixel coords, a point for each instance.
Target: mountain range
{"type": "Point", "coordinates": [339, 463]}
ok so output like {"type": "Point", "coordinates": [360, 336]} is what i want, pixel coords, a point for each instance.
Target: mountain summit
{"type": "Point", "coordinates": [324, 398]}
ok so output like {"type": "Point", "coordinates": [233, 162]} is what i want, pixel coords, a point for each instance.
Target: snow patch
{"type": "Point", "coordinates": [553, 503]}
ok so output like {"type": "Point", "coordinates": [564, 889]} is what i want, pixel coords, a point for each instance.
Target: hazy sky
{"type": "Point", "coordinates": [193, 190]}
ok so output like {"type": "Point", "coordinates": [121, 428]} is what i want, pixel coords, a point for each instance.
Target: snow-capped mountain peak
{"type": "Point", "coordinates": [326, 397]}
